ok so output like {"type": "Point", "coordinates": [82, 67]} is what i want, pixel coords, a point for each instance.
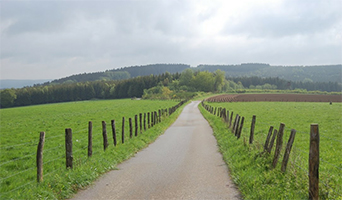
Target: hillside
{"type": "Point", "coordinates": [123, 73]}
{"type": "Point", "coordinates": [319, 73]}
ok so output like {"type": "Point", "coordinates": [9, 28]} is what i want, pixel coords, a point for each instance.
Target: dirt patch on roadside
{"type": "Point", "coordinates": [275, 97]}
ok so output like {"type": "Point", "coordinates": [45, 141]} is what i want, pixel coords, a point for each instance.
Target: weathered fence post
{"type": "Point", "coordinates": [148, 120]}
{"type": "Point", "coordinates": [231, 119]}
{"type": "Point", "coordinates": [130, 127]}
{"type": "Point", "coordinates": [40, 157]}
{"type": "Point", "coordinates": [140, 122]}
{"type": "Point", "coordinates": [269, 149]}
{"type": "Point", "coordinates": [123, 130]}
{"type": "Point", "coordinates": [159, 112]}
{"type": "Point", "coordinates": [90, 138]}
{"type": "Point", "coordinates": [144, 121]}
{"type": "Point", "coordinates": [104, 134]}
{"type": "Point", "coordinates": [251, 136]}
{"type": "Point", "coordinates": [136, 125]}
{"type": "Point", "coordinates": [288, 150]}
{"type": "Point", "coordinates": [240, 128]}
{"type": "Point", "coordinates": [314, 163]}
{"type": "Point", "coordinates": [68, 148]}
{"type": "Point", "coordinates": [236, 127]}
{"type": "Point", "coordinates": [113, 131]}
{"type": "Point", "coordinates": [152, 119]}
{"type": "Point", "coordinates": [268, 138]}
{"type": "Point", "coordinates": [155, 118]}
{"type": "Point", "coordinates": [279, 144]}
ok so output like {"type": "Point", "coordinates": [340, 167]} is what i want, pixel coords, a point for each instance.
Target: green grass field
{"type": "Point", "coordinates": [19, 136]}
{"type": "Point", "coordinates": [251, 170]}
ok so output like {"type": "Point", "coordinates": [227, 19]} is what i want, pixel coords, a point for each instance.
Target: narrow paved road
{"type": "Point", "coordinates": [183, 163]}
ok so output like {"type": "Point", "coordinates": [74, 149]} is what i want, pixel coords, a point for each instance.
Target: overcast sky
{"type": "Point", "coordinates": [54, 39]}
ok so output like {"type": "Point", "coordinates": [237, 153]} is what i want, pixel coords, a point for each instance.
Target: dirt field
{"type": "Point", "coordinates": [275, 97]}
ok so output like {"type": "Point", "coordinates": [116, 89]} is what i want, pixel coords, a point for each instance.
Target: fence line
{"type": "Point", "coordinates": [314, 144]}
{"type": "Point", "coordinates": [156, 117]}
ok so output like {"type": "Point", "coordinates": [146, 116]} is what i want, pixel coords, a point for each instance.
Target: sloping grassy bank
{"type": "Point", "coordinates": [252, 171]}
{"type": "Point", "coordinates": [61, 183]}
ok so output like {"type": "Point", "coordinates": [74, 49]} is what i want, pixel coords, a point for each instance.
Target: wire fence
{"type": "Point", "coordinates": [54, 161]}
{"type": "Point", "coordinates": [298, 162]}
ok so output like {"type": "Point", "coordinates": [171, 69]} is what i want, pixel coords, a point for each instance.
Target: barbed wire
{"type": "Point", "coordinates": [16, 188]}
{"type": "Point", "coordinates": [6, 147]}
{"type": "Point", "coordinates": [321, 159]}
{"type": "Point", "coordinates": [20, 172]}
{"type": "Point", "coordinates": [16, 159]}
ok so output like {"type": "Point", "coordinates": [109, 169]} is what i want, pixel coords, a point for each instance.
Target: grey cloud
{"type": "Point", "coordinates": [65, 37]}
{"type": "Point", "coordinates": [294, 17]}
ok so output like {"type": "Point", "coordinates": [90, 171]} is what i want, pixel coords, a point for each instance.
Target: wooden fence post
{"type": "Point", "coordinates": [104, 134]}
{"type": "Point", "coordinates": [40, 157]}
{"type": "Point", "coordinates": [288, 150]}
{"type": "Point", "coordinates": [269, 149]}
{"type": "Point", "coordinates": [251, 136]}
{"type": "Point", "coordinates": [140, 122]}
{"type": "Point", "coordinates": [279, 144]}
{"type": "Point", "coordinates": [123, 130]}
{"type": "Point", "coordinates": [144, 121]}
{"type": "Point", "coordinates": [136, 125]}
{"type": "Point", "coordinates": [148, 120]}
{"type": "Point", "coordinates": [113, 131]}
{"type": "Point", "coordinates": [68, 148]}
{"type": "Point", "coordinates": [90, 138]}
{"type": "Point", "coordinates": [314, 163]}
{"type": "Point", "coordinates": [155, 118]}
{"type": "Point", "coordinates": [240, 128]}
{"type": "Point", "coordinates": [152, 119]}
{"type": "Point", "coordinates": [231, 119]}
{"type": "Point", "coordinates": [268, 138]}
{"type": "Point", "coordinates": [130, 128]}
{"type": "Point", "coordinates": [159, 112]}
{"type": "Point", "coordinates": [227, 117]}
{"type": "Point", "coordinates": [236, 127]}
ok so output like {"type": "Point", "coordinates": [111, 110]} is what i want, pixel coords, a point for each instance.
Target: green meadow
{"type": "Point", "coordinates": [19, 136]}
{"type": "Point", "coordinates": [252, 171]}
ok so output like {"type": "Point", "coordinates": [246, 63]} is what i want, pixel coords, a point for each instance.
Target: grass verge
{"type": "Point", "coordinates": [252, 172]}
{"type": "Point", "coordinates": [60, 183]}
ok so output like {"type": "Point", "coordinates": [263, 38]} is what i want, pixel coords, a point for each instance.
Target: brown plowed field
{"type": "Point", "coordinates": [275, 97]}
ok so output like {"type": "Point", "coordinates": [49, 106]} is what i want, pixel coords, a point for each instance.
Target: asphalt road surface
{"type": "Point", "coordinates": [183, 163]}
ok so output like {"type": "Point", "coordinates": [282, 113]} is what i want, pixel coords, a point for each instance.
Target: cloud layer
{"type": "Point", "coordinates": [53, 39]}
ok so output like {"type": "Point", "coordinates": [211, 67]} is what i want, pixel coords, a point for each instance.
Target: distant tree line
{"type": "Point", "coordinates": [277, 83]}
{"type": "Point", "coordinates": [122, 73]}
{"type": "Point", "coordinates": [66, 92]}
{"type": "Point", "coordinates": [320, 73]}
{"type": "Point", "coordinates": [323, 73]}
{"type": "Point", "coordinates": [163, 86]}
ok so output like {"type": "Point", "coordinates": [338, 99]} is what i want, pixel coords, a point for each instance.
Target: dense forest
{"type": "Point", "coordinates": [322, 73]}
{"type": "Point", "coordinates": [123, 73]}
{"type": "Point", "coordinates": [164, 86]}
{"type": "Point", "coordinates": [255, 82]}
{"type": "Point", "coordinates": [326, 73]}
